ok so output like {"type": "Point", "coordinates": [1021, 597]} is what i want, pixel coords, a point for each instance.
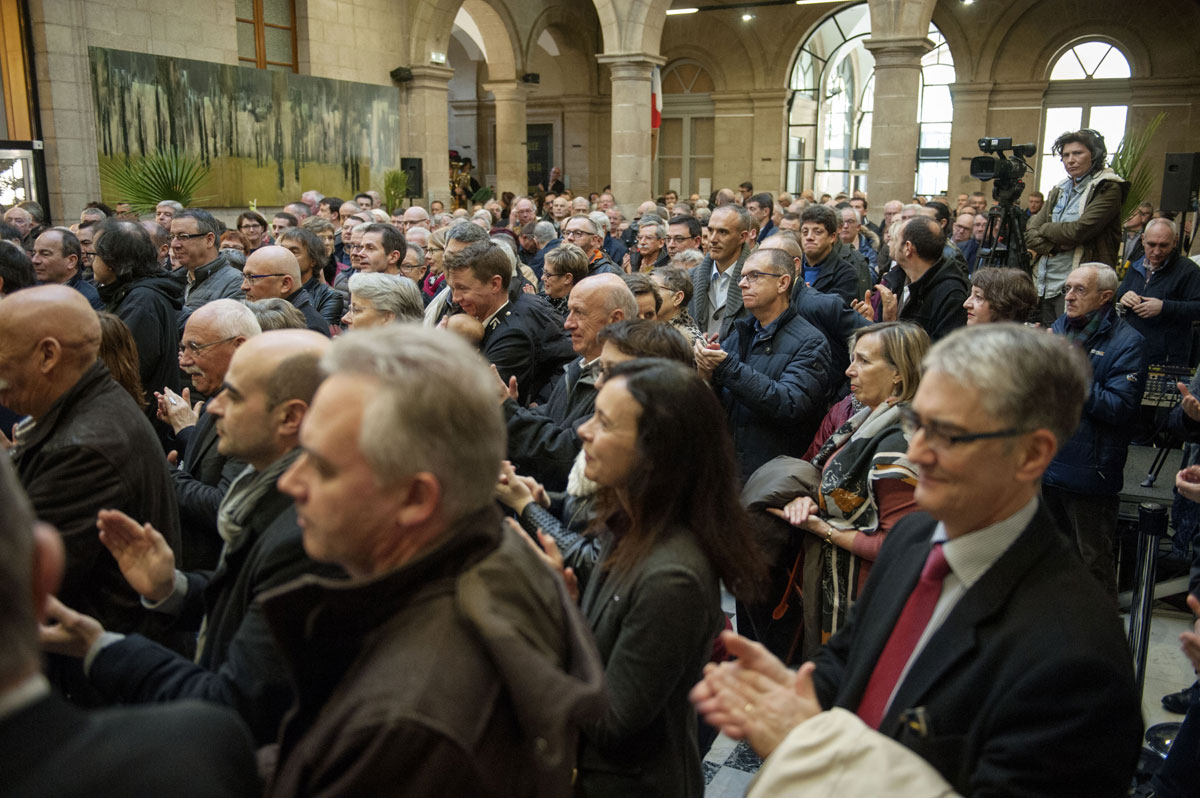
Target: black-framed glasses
{"type": "Point", "coordinates": [754, 276]}
{"type": "Point", "coordinates": [680, 239]}
{"type": "Point", "coordinates": [247, 226]}
{"type": "Point", "coordinates": [253, 277]}
{"type": "Point", "coordinates": [195, 348]}
{"type": "Point", "coordinates": [186, 236]}
{"type": "Point", "coordinates": [938, 435]}
{"type": "Point", "coordinates": [577, 233]}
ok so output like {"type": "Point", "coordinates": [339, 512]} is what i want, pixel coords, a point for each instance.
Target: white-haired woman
{"type": "Point", "coordinates": [377, 299]}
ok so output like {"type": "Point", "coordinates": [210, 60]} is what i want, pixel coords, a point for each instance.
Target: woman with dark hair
{"type": "Point", "coordinates": [310, 254]}
{"type": "Point", "coordinates": [1000, 294]}
{"type": "Point", "coordinates": [119, 354]}
{"type": "Point", "coordinates": [253, 228]}
{"type": "Point", "coordinates": [136, 289]}
{"type": "Point", "coordinates": [325, 231]}
{"type": "Point", "coordinates": [671, 528]}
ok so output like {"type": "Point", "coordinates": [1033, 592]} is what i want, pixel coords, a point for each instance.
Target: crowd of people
{"type": "Point", "coordinates": [444, 503]}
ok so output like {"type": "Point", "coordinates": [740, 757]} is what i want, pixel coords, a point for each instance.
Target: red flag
{"type": "Point", "coordinates": [655, 99]}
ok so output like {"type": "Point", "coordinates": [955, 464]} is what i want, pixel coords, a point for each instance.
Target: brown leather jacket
{"type": "Point", "coordinates": [466, 672]}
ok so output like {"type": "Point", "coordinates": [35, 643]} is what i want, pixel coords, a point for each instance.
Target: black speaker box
{"type": "Point", "coordinates": [1181, 182]}
{"type": "Point", "coordinates": [416, 185]}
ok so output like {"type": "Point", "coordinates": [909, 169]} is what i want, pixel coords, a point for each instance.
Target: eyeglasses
{"type": "Point", "coordinates": [248, 226]}
{"type": "Point", "coordinates": [577, 233]}
{"type": "Point", "coordinates": [940, 436]}
{"type": "Point", "coordinates": [848, 222]}
{"type": "Point", "coordinates": [253, 277]}
{"type": "Point", "coordinates": [755, 276]}
{"type": "Point", "coordinates": [680, 239]}
{"type": "Point", "coordinates": [547, 275]}
{"type": "Point", "coordinates": [195, 348]}
{"type": "Point", "coordinates": [186, 236]}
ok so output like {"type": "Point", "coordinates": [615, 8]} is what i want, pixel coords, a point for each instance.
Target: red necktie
{"type": "Point", "coordinates": [907, 631]}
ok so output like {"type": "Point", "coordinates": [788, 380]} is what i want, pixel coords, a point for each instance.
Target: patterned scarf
{"type": "Point", "coordinates": [851, 461]}
{"type": "Point", "coordinates": [1081, 330]}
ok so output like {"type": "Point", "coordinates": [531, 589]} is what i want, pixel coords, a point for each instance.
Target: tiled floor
{"type": "Point", "coordinates": [730, 766]}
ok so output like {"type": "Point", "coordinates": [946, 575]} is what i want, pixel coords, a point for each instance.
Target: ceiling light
{"type": "Point", "coordinates": [675, 11]}
{"type": "Point", "coordinates": [747, 17]}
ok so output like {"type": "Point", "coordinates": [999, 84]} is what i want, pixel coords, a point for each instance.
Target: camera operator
{"type": "Point", "coordinates": [1080, 221]}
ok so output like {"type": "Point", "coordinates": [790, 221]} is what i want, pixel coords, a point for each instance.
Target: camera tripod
{"type": "Point", "coordinates": [1004, 237]}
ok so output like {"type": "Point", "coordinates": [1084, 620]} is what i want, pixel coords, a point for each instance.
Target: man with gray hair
{"type": "Point", "coordinates": [48, 746]}
{"type": "Point", "coordinates": [586, 232]}
{"type": "Point", "coordinates": [395, 485]}
{"type": "Point", "coordinates": [203, 474]}
{"type": "Point", "coordinates": [1082, 486]}
{"type": "Point", "coordinates": [166, 211]}
{"type": "Point", "coordinates": [1160, 295]}
{"type": "Point", "coordinates": [651, 250]}
{"type": "Point", "coordinates": [542, 440]}
{"type": "Point", "coordinates": [385, 298]}
{"type": "Point", "coordinates": [980, 642]}
{"type": "Point", "coordinates": [546, 238]}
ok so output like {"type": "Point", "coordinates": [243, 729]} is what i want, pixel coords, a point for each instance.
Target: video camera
{"type": "Point", "coordinates": [1006, 171]}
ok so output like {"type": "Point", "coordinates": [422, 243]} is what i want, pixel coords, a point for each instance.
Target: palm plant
{"type": "Point", "coordinates": [1129, 162]}
{"type": "Point", "coordinates": [395, 188]}
{"type": "Point", "coordinates": [146, 181]}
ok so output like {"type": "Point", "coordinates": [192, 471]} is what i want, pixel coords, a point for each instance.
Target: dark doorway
{"type": "Point", "coordinates": [539, 144]}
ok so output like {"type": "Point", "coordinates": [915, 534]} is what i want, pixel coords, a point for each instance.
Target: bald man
{"type": "Point", "coordinates": [274, 273]}
{"type": "Point", "coordinates": [266, 393]}
{"type": "Point", "coordinates": [88, 446]}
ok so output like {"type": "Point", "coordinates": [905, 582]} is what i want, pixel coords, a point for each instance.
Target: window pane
{"type": "Point", "coordinates": [938, 73]}
{"type": "Point", "coordinates": [1067, 68]}
{"type": "Point", "coordinates": [702, 136]}
{"type": "Point", "coordinates": [279, 45]}
{"type": "Point", "coordinates": [277, 12]}
{"type": "Point", "coordinates": [245, 9]}
{"type": "Point", "coordinates": [1090, 54]}
{"type": "Point", "coordinates": [1114, 65]}
{"type": "Point", "coordinates": [670, 138]}
{"type": "Point", "coordinates": [1059, 121]}
{"type": "Point", "coordinates": [793, 177]}
{"type": "Point", "coordinates": [935, 137]}
{"type": "Point", "coordinates": [936, 105]}
{"type": "Point", "coordinates": [864, 131]}
{"type": "Point", "coordinates": [245, 34]}
{"type": "Point", "coordinates": [1109, 121]}
{"type": "Point", "coordinates": [1051, 172]}
{"type": "Point", "coordinates": [795, 147]}
{"type": "Point", "coordinates": [669, 169]}
{"type": "Point", "coordinates": [932, 177]}
{"type": "Point", "coordinates": [701, 168]}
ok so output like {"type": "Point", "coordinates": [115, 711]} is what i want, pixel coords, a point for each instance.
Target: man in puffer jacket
{"type": "Point", "coordinates": [1082, 485]}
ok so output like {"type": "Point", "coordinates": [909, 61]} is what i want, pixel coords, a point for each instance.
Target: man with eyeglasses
{"type": "Point", "coordinates": [585, 232]}
{"type": "Point", "coordinates": [772, 371]}
{"type": "Point", "coordinates": [416, 216]}
{"type": "Point", "coordinates": [1083, 484]}
{"type": "Point", "coordinates": [650, 251]}
{"type": "Point", "coordinates": [683, 233]}
{"type": "Point", "coordinates": [212, 335]}
{"type": "Point", "coordinates": [194, 239]}
{"type": "Point", "coordinates": [980, 642]}
{"type": "Point", "coordinates": [273, 272]}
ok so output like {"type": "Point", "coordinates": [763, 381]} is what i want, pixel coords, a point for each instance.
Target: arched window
{"type": "Point", "coordinates": [685, 139]}
{"type": "Point", "coordinates": [1089, 88]}
{"type": "Point", "coordinates": [823, 106]}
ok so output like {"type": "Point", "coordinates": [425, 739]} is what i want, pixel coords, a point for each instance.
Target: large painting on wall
{"type": "Point", "coordinates": [266, 135]}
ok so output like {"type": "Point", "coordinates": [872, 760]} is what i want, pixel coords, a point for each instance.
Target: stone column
{"type": "Point", "coordinates": [428, 96]}
{"type": "Point", "coordinates": [970, 125]}
{"type": "Point", "coordinates": [631, 169]}
{"type": "Point", "coordinates": [770, 144]}
{"type": "Point", "coordinates": [894, 134]}
{"type": "Point", "coordinates": [577, 141]}
{"type": "Point", "coordinates": [512, 161]}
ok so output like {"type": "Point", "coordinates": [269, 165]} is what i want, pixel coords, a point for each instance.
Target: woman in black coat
{"type": "Point", "coordinates": [670, 526]}
{"type": "Point", "coordinates": [136, 289]}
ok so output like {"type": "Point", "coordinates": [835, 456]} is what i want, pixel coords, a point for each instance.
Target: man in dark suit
{"type": "Point", "coordinates": [50, 748]}
{"type": "Point", "coordinates": [212, 334]}
{"type": "Point", "coordinates": [523, 336]}
{"type": "Point", "coordinates": [980, 641]}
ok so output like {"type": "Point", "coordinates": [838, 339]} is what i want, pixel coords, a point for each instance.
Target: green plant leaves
{"type": "Point", "coordinates": [1129, 162]}
{"type": "Point", "coordinates": [146, 181]}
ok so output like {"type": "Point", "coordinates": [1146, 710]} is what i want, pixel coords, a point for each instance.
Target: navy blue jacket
{"type": "Point", "coordinates": [614, 247]}
{"type": "Point", "coordinates": [774, 386]}
{"type": "Point", "coordinates": [1092, 461]}
{"type": "Point", "coordinates": [829, 314]}
{"type": "Point", "coordinates": [538, 261]}
{"type": "Point", "coordinates": [1177, 283]}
